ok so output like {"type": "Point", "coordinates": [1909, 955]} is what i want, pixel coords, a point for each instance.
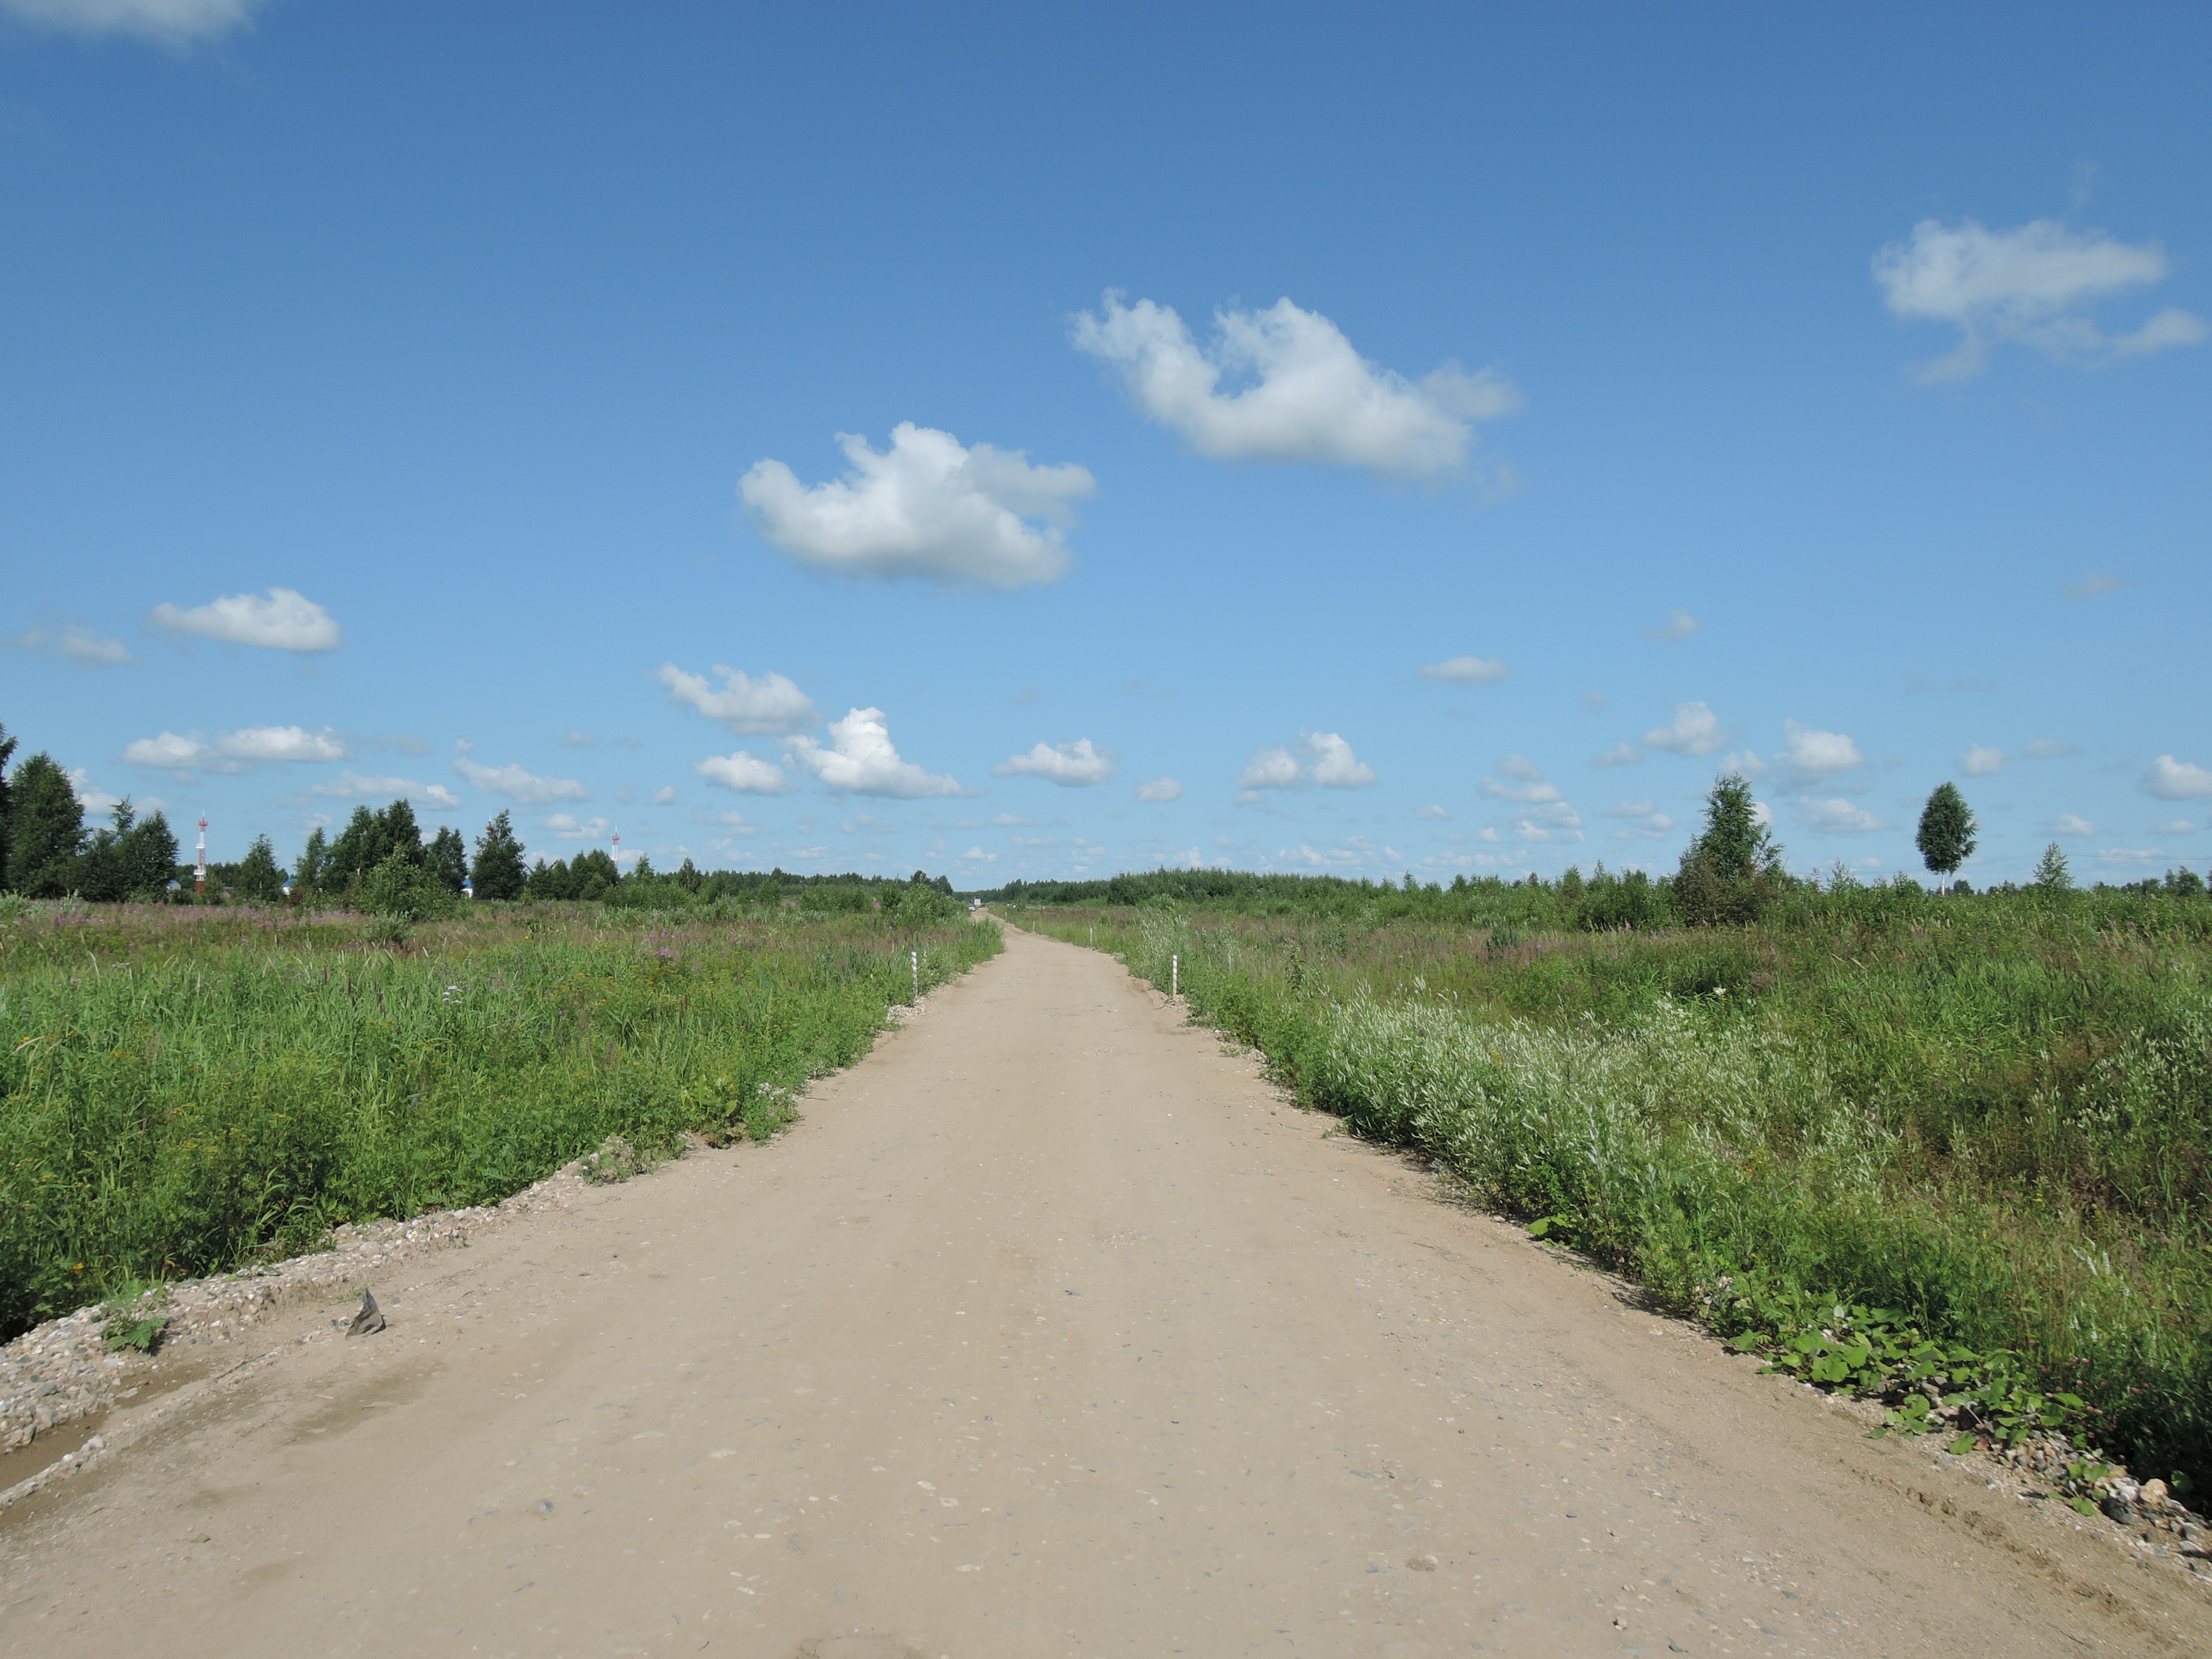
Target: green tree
{"type": "Point", "coordinates": [45, 829]}
{"type": "Point", "coordinates": [1733, 866]}
{"type": "Point", "coordinates": [447, 859]}
{"type": "Point", "coordinates": [1946, 836]}
{"type": "Point", "coordinates": [498, 871]}
{"type": "Point", "coordinates": [404, 890]}
{"type": "Point", "coordinates": [259, 877]}
{"type": "Point", "coordinates": [2050, 871]}
{"type": "Point", "coordinates": [314, 859]}
{"type": "Point", "coordinates": [7, 748]}
{"type": "Point", "coordinates": [369, 838]}
{"type": "Point", "coordinates": [127, 858]}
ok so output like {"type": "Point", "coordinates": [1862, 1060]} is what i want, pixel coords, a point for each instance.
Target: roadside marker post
{"type": "Point", "coordinates": [1175, 976]}
{"type": "Point", "coordinates": [915, 959]}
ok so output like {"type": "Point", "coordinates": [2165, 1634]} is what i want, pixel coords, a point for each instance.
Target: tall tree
{"type": "Point", "coordinates": [357, 850]}
{"type": "Point", "coordinates": [7, 748]}
{"type": "Point", "coordinates": [259, 875]}
{"type": "Point", "coordinates": [314, 859]}
{"type": "Point", "coordinates": [497, 872]}
{"type": "Point", "coordinates": [447, 859]}
{"type": "Point", "coordinates": [45, 829]}
{"type": "Point", "coordinates": [1946, 836]}
{"type": "Point", "coordinates": [1733, 865]}
{"type": "Point", "coordinates": [2050, 871]}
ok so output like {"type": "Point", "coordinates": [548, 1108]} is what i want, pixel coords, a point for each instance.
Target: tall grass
{"type": "Point", "coordinates": [1994, 1117]}
{"type": "Point", "coordinates": [182, 1091]}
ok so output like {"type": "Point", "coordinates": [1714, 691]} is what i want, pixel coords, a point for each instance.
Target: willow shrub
{"type": "Point", "coordinates": [2002, 1135]}
{"type": "Point", "coordinates": [177, 1097]}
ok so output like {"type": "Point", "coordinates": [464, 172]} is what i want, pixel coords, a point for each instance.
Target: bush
{"type": "Point", "coordinates": [400, 889]}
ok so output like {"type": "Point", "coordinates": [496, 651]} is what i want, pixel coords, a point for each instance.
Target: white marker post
{"type": "Point", "coordinates": [915, 957]}
{"type": "Point", "coordinates": [1175, 976]}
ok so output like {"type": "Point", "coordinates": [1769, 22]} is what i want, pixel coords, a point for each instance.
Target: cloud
{"type": "Point", "coordinates": [1434, 812]}
{"type": "Point", "coordinates": [285, 620]}
{"type": "Point", "coordinates": [351, 785]}
{"type": "Point", "coordinates": [566, 826]}
{"type": "Point", "coordinates": [1160, 789]}
{"type": "Point", "coordinates": [2068, 824]}
{"type": "Point", "coordinates": [1305, 394]}
{"type": "Point", "coordinates": [1008, 821]}
{"type": "Point", "coordinates": [1648, 822]}
{"type": "Point", "coordinates": [861, 761]}
{"type": "Point", "coordinates": [1521, 767]}
{"type": "Point", "coordinates": [1527, 793]}
{"type": "Point", "coordinates": [746, 774]}
{"type": "Point", "coordinates": [82, 646]}
{"type": "Point", "coordinates": [1334, 765]}
{"type": "Point", "coordinates": [747, 706]}
{"type": "Point", "coordinates": [665, 795]}
{"type": "Point", "coordinates": [977, 855]}
{"type": "Point", "coordinates": [1465, 670]}
{"type": "Point", "coordinates": [1680, 625]}
{"type": "Point", "coordinates": [1837, 816]}
{"type": "Point", "coordinates": [1594, 701]}
{"type": "Point", "coordinates": [2049, 749]}
{"type": "Point", "coordinates": [1981, 761]}
{"type": "Point", "coordinates": [2033, 286]}
{"type": "Point", "coordinates": [2170, 827]}
{"type": "Point", "coordinates": [1274, 768]}
{"type": "Point", "coordinates": [169, 22]}
{"type": "Point", "coordinates": [522, 788]}
{"type": "Point", "coordinates": [1072, 765]}
{"type": "Point", "coordinates": [1630, 809]}
{"type": "Point", "coordinates": [2095, 582]}
{"type": "Point", "coordinates": [2129, 854]}
{"type": "Point", "coordinates": [1809, 755]}
{"type": "Point", "coordinates": [2172, 780]}
{"type": "Point", "coordinates": [926, 508]}
{"type": "Point", "coordinates": [94, 799]}
{"type": "Point", "coordinates": [237, 752]}
{"type": "Point", "coordinates": [1620, 755]}
{"type": "Point", "coordinates": [1696, 731]}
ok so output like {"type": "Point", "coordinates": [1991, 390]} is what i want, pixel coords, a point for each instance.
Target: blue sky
{"type": "Point", "coordinates": [1035, 442]}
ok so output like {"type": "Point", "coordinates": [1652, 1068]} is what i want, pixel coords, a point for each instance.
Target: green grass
{"type": "Point", "coordinates": [185, 1090]}
{"type": "Point", "coordinates": [1990, 1119]}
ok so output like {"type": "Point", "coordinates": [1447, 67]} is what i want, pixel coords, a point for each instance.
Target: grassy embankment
{"type": "Point", "coordinates": [185, 1090]}
{"type": "Point", "coordinates": [1985, 1122]}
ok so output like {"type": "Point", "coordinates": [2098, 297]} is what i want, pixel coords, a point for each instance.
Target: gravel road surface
{"type": "Point", "coordinates": [1050, 1329]}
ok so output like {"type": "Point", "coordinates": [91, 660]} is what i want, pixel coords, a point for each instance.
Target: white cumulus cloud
{"type": "Point", "coordinates": [1436, 813]}
{"type": "Point", "coordinates": [746, 774]}
{"type": "Point", "coordinates": [1527, 793]}
{"type": "Point", "coordinates": [2174, 780]}
{"type": "Point", "coordinates": [1696, 731]}
{"type": "Point", "coordinates": [747, 706]}
{"type": "Point", "coordinates": [2035, 286]}
{"type": "Point", "coordinates": [1072, 765]}
{"type": "Point", "coordinates": [1465, 670]}
{"type": "Point", "coordinates": [87, 647]}
{"type": "Point", "coordinates": [1837, 816]}
{"type": "Point", "coordinates": [171, 22]}
{"type": "Point", "coordinates": [2050, 748]}
{"type": "Point", "coordinates": [1981, 761]}
{"type": "Point", "coordinates": [524, 788]}
{"type": "Point", "coordinates": [237, 752]}
{"type": "Point", "coordinates": [1300, 392]}
{"type": "Point", "coordinates": [284, 621]}
{"type": "Point", "coordinates": [351, 785]}
{"type": "Point", "coordinates": [927, 508]}
{"type": "Point", "coordinates": [1272, 767]}
{"type": "Point", "coordinates": [861, 761]}
{"type": "Point", "coordinates": [2071, 824]}
{"type": "Point", "coordinates": [1809, 756]}
{"type": "Point", "coordinates": [1334, 765]}
{"type": "Point", "coordinates": [1620, 755]}
{"type": "Point", "coordinates": [1159, 789]}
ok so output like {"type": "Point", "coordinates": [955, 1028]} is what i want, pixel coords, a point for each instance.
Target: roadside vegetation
{"type": "Point", "coordinates": [184, 1090]}
{"type": "Point", "coordinates": [1951, 1150]}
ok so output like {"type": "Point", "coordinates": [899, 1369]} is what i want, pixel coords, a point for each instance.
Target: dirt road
{"type": "Point", "coordinates": [1050, 1330]}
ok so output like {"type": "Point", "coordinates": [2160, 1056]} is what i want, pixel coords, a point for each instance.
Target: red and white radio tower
{"type": "Point", "coordinates": [617, 853]}
{"type": "Point", "coordinates": [199, 869]}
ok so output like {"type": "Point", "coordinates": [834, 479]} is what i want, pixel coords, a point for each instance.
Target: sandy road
{"type": "Point", "coordinates": [1048, 1331]}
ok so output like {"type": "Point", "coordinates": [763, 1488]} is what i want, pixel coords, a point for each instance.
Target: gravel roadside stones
{"type": "Point", "coordinates": [62, 1372]}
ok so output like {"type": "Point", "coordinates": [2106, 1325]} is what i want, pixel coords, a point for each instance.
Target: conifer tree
{"type": "Point", "coordinates": [498, 871]}
{"type": "Point", "coordinates": [259, 875]}
{"type": "Point", "coordinates": [2050, 871]}
{"type": "Point", "coordinates": [314, 859]}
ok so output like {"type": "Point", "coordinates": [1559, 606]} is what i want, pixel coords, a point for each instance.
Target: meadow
{"type": "Point", "coordinates": [1873, 1123]}
{"type": "Point", "coordinates": [185, 1089]}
